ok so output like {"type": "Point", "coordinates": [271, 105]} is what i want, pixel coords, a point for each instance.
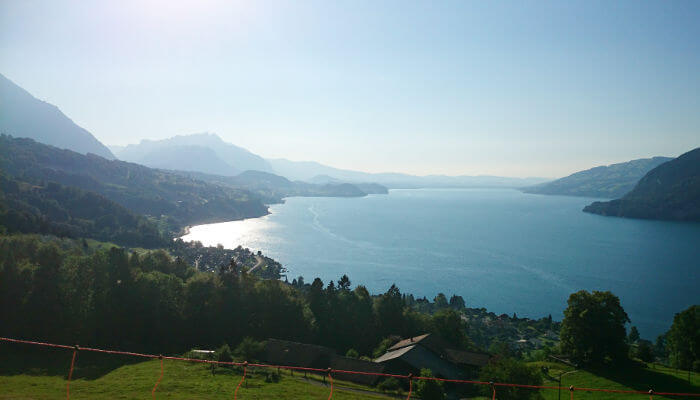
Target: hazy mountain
{"type": "Point", "coordinates": [669, 191]}
{"type": "Point", "coordinates": [171, 198]}
{"type": "Point", "coordinates": [311, 171]}
{"type": "Point", "coordinates": [612, 181]}
{"type": "Point", "coordinates": [274, 188]}
{"type": "Point", "coordinates": [187, 158]}
{"type": "Point", "coordinates": [222, 158]}
{"type": "Point", "coordinates": [23, 115]}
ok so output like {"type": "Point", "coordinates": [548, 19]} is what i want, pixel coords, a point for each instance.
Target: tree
{"type": "Point", "coordinates": [389, 312]}
{"type": "Point", "coordinates": [660, 346]}
{"type": "Point", "coordinates": [634, 335]}
{"type": "Point", "coordinates": [449, 326]}
{"type": "Point", "coordinates": [249, 349]}
{"type": "Point", "coordinates": [440, 300]}
{"type": "Point", "coordinates": [593, 329]}
{"type": "Point", "coordinates": [683, 339]}
{"type": "Point", "coordinates": [644, 351]}
{"type": "Point", "coordinates": [344, 283]}
{"type": "Point", "coordinates": [457, 302]}
{"type": "Point", "coordinates": [429, 389]}
{"type": "Point", "coordinates": [511, 371]}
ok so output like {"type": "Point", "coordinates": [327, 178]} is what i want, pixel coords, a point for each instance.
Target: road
{"type": "Point", "coordinates": [259, 263]}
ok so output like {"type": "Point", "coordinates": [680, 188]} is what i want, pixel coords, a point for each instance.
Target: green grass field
{"type": "Point", "coordinates": [661, 379]}
{"type": "Point", "coordinates": [42, 375]}
{"type": "Point", "coordinates": [181, 380]}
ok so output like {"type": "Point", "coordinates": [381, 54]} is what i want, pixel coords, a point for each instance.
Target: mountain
{"type": "Point", "coordinates": [311, 171]}
{"type": "Point", "coordinates": [172, 199]}
{"type": "Point", "coordinates": [203, 152]}
{"type": "Point", "coordinates": [670, 191]}
{"type": "Point", "coordinates": [23, 115]}
{"type": "Point", "coordinates": [274, 188]}
{"type": "Point", "coordinates": [187, 158]}
{"type": "Point", "coordinates": [612, 181]}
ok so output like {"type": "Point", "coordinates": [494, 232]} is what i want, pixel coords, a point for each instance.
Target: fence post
{"type": "Point", "coordinates": [70, 372]}
{"type": "Point", "coordinates": [153, 392]}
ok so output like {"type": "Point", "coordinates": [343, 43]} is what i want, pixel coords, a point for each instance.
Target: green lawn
{"type": "Point", "coordinates": [29, 373]}
{"type": "Point", "coordinates": [42, 375]}
{"type": "Point", "coordinates": [661, 379]}
{"type": "Point", "coordinates": [181, 380]}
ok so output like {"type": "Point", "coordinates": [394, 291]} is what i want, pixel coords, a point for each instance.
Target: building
{"type": "Point", "coordinates": [428, 351]}
{"type": "Point", "coordinates": [286, 353]}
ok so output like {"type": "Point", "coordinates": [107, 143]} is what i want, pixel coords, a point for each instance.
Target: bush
{"type": "Point", "coordinates": [272, 377]}
{"type": "Point", "coordinates": [388, 384]}
{"type": "Point", "coordinates": [249, 349]}
{"type": "Point", "coordinates": [223, 354]}
{"type": "Point", "coordinates": [352, 353]}
{"type": "Point", "coordinates": [429, 389]}
{"type": "Point", "coordinates": [509, 370]}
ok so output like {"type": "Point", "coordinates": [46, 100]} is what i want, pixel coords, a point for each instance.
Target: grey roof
{"type": "Point", "coordinates": [408, 342]}
{"type": "Point", "coordinates": [390, 355]}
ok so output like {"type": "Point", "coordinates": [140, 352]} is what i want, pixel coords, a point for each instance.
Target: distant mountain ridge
{"type": "Point", "coordinates": [187, 152]}
{"type": "Point", "coordinates": [670, 191]}
{"type": "Point", "coordinates": [23, 115]}
{"type": "Point", "coordinates": [311, 171]}
{"type": "Point", "coordinates": [274, 188]}
{"type": "Point", "coordinates": [612, 181]}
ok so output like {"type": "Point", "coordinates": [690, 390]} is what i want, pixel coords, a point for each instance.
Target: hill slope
{"type": "Point", "coordinates": [23, 115]}
{"type": "Point", "coordinates": [222, 158]}
{"type": "Point", "coordinates": [161, 194]}
{"type": "Point", "coordinates": [670, 191]}
{"type": "Point", "coordinates": [611, 182]}
{"type": "Point", "coordinates": [66, 211]}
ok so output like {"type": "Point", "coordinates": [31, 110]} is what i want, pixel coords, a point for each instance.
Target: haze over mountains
{"type": "Point", "coordinates": [208, 153]}
{"type": "Point", "coordinates": [611, 182]}
{"type": "Point", "coordinates": [207, 178]}
{"type": "Point", "coordinates": [23, 115]}
{"type": "Point", "coordinates": [202, 152]}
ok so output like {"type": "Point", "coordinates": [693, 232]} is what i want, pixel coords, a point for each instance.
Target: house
{"type": "Point", "coordinates": [286, 353]}
{"type": "Point", "coordinates": [428, 351]}
{"type": "Point", "coordinates": [282, 352]}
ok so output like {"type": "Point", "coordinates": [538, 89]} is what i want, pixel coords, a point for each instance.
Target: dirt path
{"type": "Point", "coordinates": [260, 262]}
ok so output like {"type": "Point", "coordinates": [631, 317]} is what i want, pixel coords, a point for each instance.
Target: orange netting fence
{"type": "Point", "coordinates": [328, 372]}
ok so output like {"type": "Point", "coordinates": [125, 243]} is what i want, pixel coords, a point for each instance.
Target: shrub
{"type": "Point", "coordinates": [429, 389]}
{"type": "Point", "coordinates": [388, 384]}
{"type": "Point", "coordinates": [352, 353]}
{"type": "Point", "coordinates": [511, 371]}
{"type": "Point", "coordinates": [272, 377]}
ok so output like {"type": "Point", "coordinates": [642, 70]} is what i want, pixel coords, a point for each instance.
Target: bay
{"type": "Point", "coordinates": [501, 249]}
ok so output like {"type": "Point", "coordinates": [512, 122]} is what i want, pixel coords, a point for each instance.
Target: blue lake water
{"type": "Point", "coordinates": [498, 248]}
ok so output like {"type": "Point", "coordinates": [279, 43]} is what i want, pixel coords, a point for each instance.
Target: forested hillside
{"type": "Point", "coordinates": [67, 211]}
{"type": "Point", "coordinates": [610, 182]}
{"type": "Point", "coordinates": [173, 199]}
{"type": "Point", "coordinates": [670, 191]}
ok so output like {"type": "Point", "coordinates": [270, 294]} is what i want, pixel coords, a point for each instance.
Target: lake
{"type": "Point", "coordinates": [500, 249]}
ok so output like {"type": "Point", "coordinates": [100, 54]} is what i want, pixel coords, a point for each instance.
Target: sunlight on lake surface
{"type": "Point", "coordinates": [498, 248]}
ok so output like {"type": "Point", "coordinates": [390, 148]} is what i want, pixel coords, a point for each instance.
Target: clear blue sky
{"type": "Point", "coordinates": [520, 88]}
